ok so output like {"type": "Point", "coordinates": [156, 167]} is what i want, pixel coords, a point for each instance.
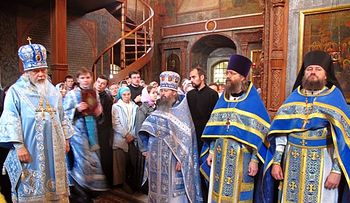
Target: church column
{"type": "Point", "coordinates": [58, 17]}
{"type": "Point", "coordinates": [278, 38]}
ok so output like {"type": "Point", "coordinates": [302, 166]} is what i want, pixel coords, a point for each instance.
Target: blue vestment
{"type": "Point", "coordinates": [39, 123]}
{"type": "Point", "coordinates": [236, 133]}
{"type": "Point", "coordinates": [172, 139]}
{"type": "Point", "coordinates": [86, 169]}
{"type": "Point", "coordinates": [312, 123]}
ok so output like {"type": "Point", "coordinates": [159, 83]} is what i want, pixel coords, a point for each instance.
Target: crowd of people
{"type": "Point", "coordinates": [176, 143]}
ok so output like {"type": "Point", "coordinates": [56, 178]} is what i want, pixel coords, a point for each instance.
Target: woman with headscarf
{"type": "Point", "coordinates": [123, 121]}
{"type": "Point", "coordinates": [148, 98]}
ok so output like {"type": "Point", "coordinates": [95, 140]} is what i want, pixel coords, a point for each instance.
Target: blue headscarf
{"type": "Point", "coordinates": [121, 91]}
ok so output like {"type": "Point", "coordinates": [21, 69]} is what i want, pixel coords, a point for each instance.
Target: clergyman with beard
{"type": "Point", "coordinates": [234, 137]}
{"type": "Point", "coordinates": [169, 137]}
{"type": "Point", "coordinates": [311, 131]}
{"type": "Point", "coordinates": [33, 121]}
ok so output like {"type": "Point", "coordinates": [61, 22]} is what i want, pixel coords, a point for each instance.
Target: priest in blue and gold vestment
{"type": "Point", "coordinates": [234, 137]}
{"type": "Point", "coordinates": [310, 135]}
{"type": "Point", "coordinates": [169, 137]}
{"type": "Point", "coordinates": [33, 121]}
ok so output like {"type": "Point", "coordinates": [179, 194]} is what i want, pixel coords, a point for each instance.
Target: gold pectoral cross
{"type": "Point", "coordinates": [42, 109]}
{"type": "Point", "coordinates": [306, 121]}
{"type": "Point", "coordinates": [227, 123]}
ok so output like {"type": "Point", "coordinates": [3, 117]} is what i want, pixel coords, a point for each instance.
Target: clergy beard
{"type": "Point", "coordinates": [312, 85]}
{"type": "Point", "coordinates": [42, 87]}
{"type": "Point", "coordinates": [235, 87]}
{"type": "Point", "coordinates": [164, 104]}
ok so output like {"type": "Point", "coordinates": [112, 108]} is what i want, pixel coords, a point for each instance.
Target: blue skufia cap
{"type": "Point", "coordinates": [33, 56]}
{"type": "Point", "coordinates": [169, 80]}
{"type": "Point", "coordinates": [240, 64]}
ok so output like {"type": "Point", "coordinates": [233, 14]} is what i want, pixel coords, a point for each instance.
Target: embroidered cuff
{"type": "Point", "coordinates": [277, 157]}
{"type": "Point", "coordinates": [212, 147]}
{"type": "Point", "coordinates": [254, 158]}
{"type": "Point", "coordinates": [18, 146]}
{"type": "Point", "coordinates": [335, 167]}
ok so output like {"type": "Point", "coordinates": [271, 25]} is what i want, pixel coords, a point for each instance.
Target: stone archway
{"type": "Point", "coordinates": [209, 50]}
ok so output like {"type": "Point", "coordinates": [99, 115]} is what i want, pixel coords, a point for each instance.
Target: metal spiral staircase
{"type": "Point", "coordinates": [134, 49]}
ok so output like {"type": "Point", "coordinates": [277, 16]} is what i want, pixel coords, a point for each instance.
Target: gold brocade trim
{"type": "Point", "coordinates": [321, 94]}
{"type": "Point", "coordinates": [244, 113]}
{"type": "Point", "coordinates": [299, 116]}
{"type": "Point", "coordinates": [338, 157]}
{"type": "Point", "coordinates": [241, 141]}
{"type": "Point", "coordinates": [285, 181]}
{"type": "Point", "coordinates": [204, 174]}
{"type": "Point", "coordinates": [313, 147]}
{"type": "Point", "coordinates": [238, 179]}
{"type": "Point", "coordinates": [202, 154]}
{"type": "Point", "coordinates": [241, 126]}
{"type": "Point", "coordinates": [320, 179]}
{"type": "Point", "coordinates": [247, 187]}
{"type": "Point", "coordinates": [302, 174]}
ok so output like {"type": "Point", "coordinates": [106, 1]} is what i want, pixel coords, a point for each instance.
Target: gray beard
{"type": "Point", "coordinates": [163, 104]}
{"type": "Point", "coordinates": [42, 88]}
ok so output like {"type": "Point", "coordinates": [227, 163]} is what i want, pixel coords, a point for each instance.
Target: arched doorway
{"type": "Point", "coordinates": [212, 51]}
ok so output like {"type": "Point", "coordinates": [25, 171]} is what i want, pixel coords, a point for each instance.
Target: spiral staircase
{"type": "Point", "coordinates": [134, 49]}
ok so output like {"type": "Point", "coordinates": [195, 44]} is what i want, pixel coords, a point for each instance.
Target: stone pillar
{"type": "Point", "coordinates": [58, 17]}
{"type": "Point", "coordinates": [277, 47]}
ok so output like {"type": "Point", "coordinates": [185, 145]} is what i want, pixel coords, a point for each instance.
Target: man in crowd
{"type": "Point", "coordinates": [33, 122]}
{"type": "Point", "coordinates": [201, 101]}
{"type": "Point", "coordinates": [82, 106]}
{"type": "Point", "coordinates": [311, 131]}
{"type": "Point", "coordinates": [234, 137]}
{"type": "Point", "coordinates": [104, 127]}
{"type": "Point", "coordinates": [135, 87]}
{"type": "Point", "coordinates": [69, 82]}
{"type": "Point", "coordinates": [172, 147]}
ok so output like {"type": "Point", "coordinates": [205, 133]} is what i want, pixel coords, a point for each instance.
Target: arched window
{"type": "Point", "coordinates": [219, 72]}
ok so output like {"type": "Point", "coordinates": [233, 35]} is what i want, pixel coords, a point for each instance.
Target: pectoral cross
{"type": "Point", "coordinates": [227, 123]}
{"type": "Point", "coordinates": [306, 121]}
{"type": "Point", "coordinates": [29, 40]}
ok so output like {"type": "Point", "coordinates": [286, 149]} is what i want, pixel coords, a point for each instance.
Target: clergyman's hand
{"type": "Point", "coordinates": [277, 172]}
{"type": "Point", "coordinates": [253, 168]}
{"type": "Point", "coordinates": [210, 159]}
{"type": "Point", "coordinates": [332, 181]}
{"type": "Point", "coordinates": [67, 146]}
{"type": "Point", "coordinates": [23, 155]}
{"type": "Point", "coordinates": [178, 166]}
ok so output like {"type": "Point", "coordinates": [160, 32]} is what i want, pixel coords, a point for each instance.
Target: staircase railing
{"type": "Point", "coordinates": [135, 44]}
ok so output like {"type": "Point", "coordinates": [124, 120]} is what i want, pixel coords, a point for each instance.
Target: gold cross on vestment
{"type": "Point", "coordinates": [218, 149]}
{"type": "Point", "coordinates": [303, 142]}
{"type": "Point", "coordinates": [232, 152]}
{"type": "Point", "coordinates": [314, 155]}
{"type": "Point", "coordinates": [292, 185]}
{"type": "Point", "coordinates": [311, 188]}
{"type": "Point", "coordinates": [216, 177]}
{"type": "Point", "coordinates": [306, 121]}
{"type": "Point", "coordinates": [295, 154]}
{"type": "Point", "coordinates": [228, 180]}
{"type": "Point", "coordinates": [29, 40]}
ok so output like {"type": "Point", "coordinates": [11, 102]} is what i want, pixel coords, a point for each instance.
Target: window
{"type": "Point", "coordinates": [219, 72]}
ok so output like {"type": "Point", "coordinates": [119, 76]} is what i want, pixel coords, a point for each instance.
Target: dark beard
{"type": "Point", "coordinates": [164, 104]}
{"type": "Point", "coordinates": [233, 87]}
{"type": "Point", "coordinates": [312, 85]}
